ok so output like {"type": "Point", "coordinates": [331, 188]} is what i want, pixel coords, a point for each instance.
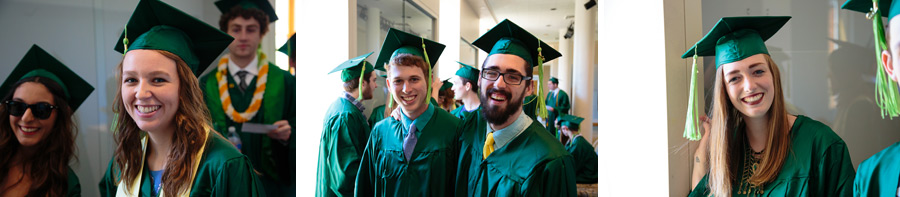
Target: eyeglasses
{"type": "Point", "coordinates": [40, 110]}
{"type": "Point", "coordinates": [509, 78]}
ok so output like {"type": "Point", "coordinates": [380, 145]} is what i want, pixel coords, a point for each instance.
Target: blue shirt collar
{"type": "Point", "coordinates": [421, 121]}
{"type": "Point", "coordinates": [505, 135]}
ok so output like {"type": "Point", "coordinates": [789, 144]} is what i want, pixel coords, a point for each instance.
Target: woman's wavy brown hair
{"type": "Point", "coordinates": [191, 119]}
{"type": "Point", "coordinates": [727, 137]}
{"type": "Point", "coordinates": [48, 170]}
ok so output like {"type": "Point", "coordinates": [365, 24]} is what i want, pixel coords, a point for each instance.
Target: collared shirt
{"type": "Point", "coordinates": [252, 69]}
{"type": "Point", "coordinates": [420, 122]}
{"type": "Point", "coordinates": [555, 92]}
{"type": "Point", "coordinates": [506, 135]}
{"type": "Point", "coordinates": [357, 103]}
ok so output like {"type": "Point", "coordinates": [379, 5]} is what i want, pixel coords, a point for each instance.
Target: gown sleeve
{"type": "Point", "coordinates": [236, 178]}
{"type": "Point", "coordinates": [364, 178]}
{"type": "Point", "coordinates": [836, 173]}
{"type": "Point", "coordinates": [74, 186]}
{"type": "Point", "coordinates": [700, 190]}
{"type": "Point", "coordinates": [556, 179]}
{"type": "Point", "coordinates": [563, 105]}
{"type": "Point", "coordinates": [351, 139]}
{"type": "Point", "coordinates": [109, 183]}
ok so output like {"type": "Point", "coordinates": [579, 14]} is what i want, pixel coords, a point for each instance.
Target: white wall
{"type": "Point", "coordinates": [81, 34]}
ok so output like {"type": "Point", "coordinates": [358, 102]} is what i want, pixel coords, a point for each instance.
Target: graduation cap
{"type": "Point", "coordinates": [39, 63]}
{"type": "Point", "coordinates": [264, 5]}
{"type": "Point", "coordinates": [554, 80]}
{"type": "Point", "coordinates": [731, 39]}
{"type": "Point", "coordinates": [573, 122]}
{"type": "Point", "coordinates": [289, 46]}
{"type": "Point", "coordinates": [399, 42]}
{"type": "Point", "coordinates": [157, 25]}
{"type": "Point", "coordinates": [468, 72]}
{"type": "Point", "coordinates": [353, 68]}
{"type": "Point", "coordinates": [508, 38]}
{"type": "Point", "coordinates": [887, 96]}
{"type": "Point", "coordinates": [446, 85]}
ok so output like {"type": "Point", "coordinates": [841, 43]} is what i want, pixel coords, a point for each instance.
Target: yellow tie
{"type": "Point", "coordinates": [488, 145]}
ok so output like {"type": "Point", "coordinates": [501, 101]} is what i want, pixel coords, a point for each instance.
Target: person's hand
{"type": "Point", "coordinates": [282, 132]}
{"type": "Point", "coordinates": [705, 121]}
{"type": "Point", "coordinates": [550, 108]}
{"type": "Point", "coordinates": [396, 113]}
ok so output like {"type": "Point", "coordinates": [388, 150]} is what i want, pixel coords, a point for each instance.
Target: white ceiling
{"type": "Point", "coordinates": [535, 16]}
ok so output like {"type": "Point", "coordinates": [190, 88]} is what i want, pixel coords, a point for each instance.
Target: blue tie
{"type": "Point", "coordinates": [409, 143]}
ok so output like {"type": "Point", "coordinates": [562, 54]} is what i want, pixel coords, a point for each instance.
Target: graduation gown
{"type": "Point", "coordinates": [344, 136]}
{"type": "Point", "coordinates": [223, 171]}
{"type": "Point", "coordinates": [818, 164]}
{"type": "Point", "coordinates": [532, 164]}
{"type": "Point", "coordinates": [73, 185]}
{"type": "Point", "coordinates": [878, 175]}
{"type": "Point", "coordinates": [585, 160]}
{"type": "Point", "coordinates": [431, 171]}
{"type": "Point", "coordinates": [559, 102]}
{"type": "Point", "coordinates": [529, 105]}
{"type": "Point", "coordinates": [273, 159]}
{"type": "Point", "coordinates": [460, 112]}
{"type": "Point", "coordinates": [377, 115]}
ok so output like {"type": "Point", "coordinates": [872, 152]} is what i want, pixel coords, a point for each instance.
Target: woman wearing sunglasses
{"type": "Point", "coordinates": [37, 133]}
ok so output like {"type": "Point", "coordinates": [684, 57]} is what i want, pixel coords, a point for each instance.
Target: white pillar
{"type": "Point", "coordinates": [564, 69]}
{"type": "Point", "coordinates": [373, 36]}
{"type": "Point", "coordinates": [449, 27]}
{"type": "Point", "coordinates": [583, 69]}
{"type": "Point", "coordinates": [331, 48]}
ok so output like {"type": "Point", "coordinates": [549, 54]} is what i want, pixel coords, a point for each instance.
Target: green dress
{"type": "Point", "coordinates": [344, 136]}
{"type": "Point", "coordinates": [431, 171]}
{"type": "Point", "coordinates": [74, 186]}
{"type": "Point", "coordinates": [275, 160]}
{"type": "Point", "coordinates": [460, 112]}
{"type": "Point", "coordinates": [223, 171]}
{"type": "Point", "coordinates": [559, 102]}
{"type": "Point", "coordinates": [585, 160]}
{"type": "Point", "coordinates": [818, 164]}
{"type": "Point", "coordinates": [529, 105]}
{"type": "Point", "coordinates": [532, 164]}
{"type": "Point", "coordinates": [377, 115]}
{"type": "Point", "coordinates": [878, 175]}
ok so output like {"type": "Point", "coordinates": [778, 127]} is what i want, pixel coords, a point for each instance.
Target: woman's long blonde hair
{"type": "Point", "coordinates": [727, 137]}
{"type": "Point", "coordinates": [191, 119]}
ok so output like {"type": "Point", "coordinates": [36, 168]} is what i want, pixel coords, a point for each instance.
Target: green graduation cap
{"type": "Point", "coordinates": [39, 63]}
{"type": "Point", "coordinates": [887, 95]}
{"type": "Point", "coordinates": [157, 25]}
{"type": "Point", "coordinates": [554, 80]}
{"type": "Point", "coordinates": [354, 67]}
{"type": "Point", "coordinates": [736, 38]}
{"type": "Point", "coordinates": [289, 46]}
{"type": "Point", "coordinates": [468, 72]}
{"type": "Point", "coordinates": [446, 85]}
{"type": "Point", "coordinates": [399, 42]}
{"type": "Point", "coordinates": [264, 5]}
{"type": "Point", "coordinates": [731, 39]}
{"type": "Point", "coordinates": [508, 38]}
{"type": "Point", "coordinates": [573, 122]}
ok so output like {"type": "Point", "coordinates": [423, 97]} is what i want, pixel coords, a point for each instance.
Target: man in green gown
{"type": "Point", "coordinates": [878, 175]}
{"type": "Point", "coordinates": [581, 149]}
{"type": "Point", "coordinates": [557, 104]}
{"type": "Point", "coordinates": [255, 91]}
{"type": "Point", "coordinates": [378, 112]}
{"type": "Point", "coordinates": [222, 170]}
{"type": "Point", "coordinates": [818, 162]}
{"type": "Point", "coordinates": [345, 131]}
{"type": "Point", "coordinates": [504, 152]}
{"type": "Point", "coordinates": [417, 154]}
{"type": "Point", "coordinates": [465, 88]}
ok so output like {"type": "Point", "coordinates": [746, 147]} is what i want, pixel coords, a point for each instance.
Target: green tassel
{"type": "Point", "coordinates": [359, 88]}
{"type": "Point", "coordinates": [427, 66]}
{"type": "Point", "coordinates": [541, 105]}
{"type": "Point", "coordinates": [125, 42]}
{"type": "Point", "coordinates": [692, 122]}
{"type": "Point", "coordinates": [887, 96]}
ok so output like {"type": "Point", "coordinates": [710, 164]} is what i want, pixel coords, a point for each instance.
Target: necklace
{"type": "Point", "coordinates": [751, 164]}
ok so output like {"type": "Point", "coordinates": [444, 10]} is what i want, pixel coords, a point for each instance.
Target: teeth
{"type": "Point", "coordinates": [497, 97]}
{"type": "Point", "coordinates": [753, 98]}
{"type": "Point", "coordinates": [28, 129]}
{"type": "Point", "coordinates": [147, 109]}
{"type": "Point", "coordinates": [407, 98]}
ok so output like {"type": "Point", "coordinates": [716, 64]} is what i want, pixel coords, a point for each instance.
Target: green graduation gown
{"type": "Point", "coordinates": [532, 164]}
{"type": "Point", "coordinates": [431, 171]}
{"type": "Point", "coordinates": [344, 136]}
{"type": "Point", "coordinates": [223, 171]}
{"type": "Point", "coordinates": [559, 102]}
{"type": "Point", "coordinates": [460, 112]}
{"type": "Point", "coordinates": [377, 115]}
{"type": "Point", "coordinates": [878, 175]}
{"type": "Point", "coordinates": [818, 164]}
{"type": "Point", "coordinates": [74, 186]}
{"type": "Point", "coordinates": [273, 159]}
{"type": "Point", "coordinates": [585, 160]}
{"type": "Point", "coordinates": [529, 105]}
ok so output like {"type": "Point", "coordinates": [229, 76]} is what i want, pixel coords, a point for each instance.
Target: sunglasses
{"type": "Point", "coordinates": [40, 110]}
